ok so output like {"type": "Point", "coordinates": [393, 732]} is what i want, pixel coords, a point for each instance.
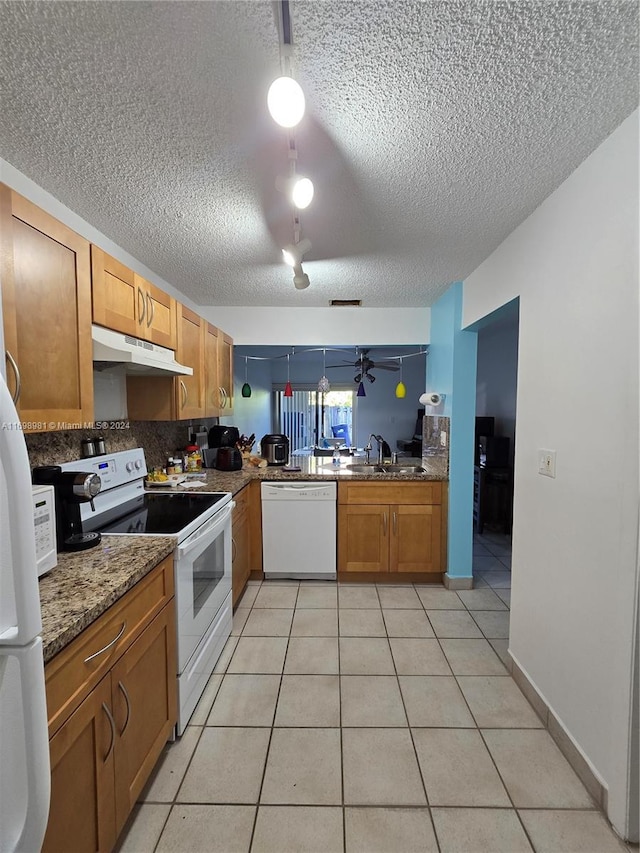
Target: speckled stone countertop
{"type": "Point", "coordinates": [86, 583]}
{"type": "Point", "coordinates": [311, 468]}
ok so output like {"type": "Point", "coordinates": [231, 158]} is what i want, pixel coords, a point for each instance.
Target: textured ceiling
{"type": "Point", "coordinates": [432, 130]}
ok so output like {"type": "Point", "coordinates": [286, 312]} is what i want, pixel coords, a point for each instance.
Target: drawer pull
{"type": "Point", "coordinates": [109, 645]}
{"type": "Point", "coordinates": [112, 726]}
{"type": "Point", "coordinates": [123, 690]}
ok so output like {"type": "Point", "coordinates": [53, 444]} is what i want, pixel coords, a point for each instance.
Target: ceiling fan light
{"type": "Point", "coordinates": [302, 193]}
{"type": "Point", "coordinates": [285, 100]}
{"type": "Point", "coordinates": [357, 377]}
{"type": "Point", "coordinates": [370, 377]}
{"type": "Point", "coordinates": [361, 391]}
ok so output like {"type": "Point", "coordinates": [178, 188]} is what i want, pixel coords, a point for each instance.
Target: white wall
{"type": "Point", "coordinates": [573, 263]}
{"type": "Point", "coordinates": [322, 326]}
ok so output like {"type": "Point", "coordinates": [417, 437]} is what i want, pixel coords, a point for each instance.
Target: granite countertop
{"type": "Point", "coordinates": [86, 583]}
{"type": "Point", "coordinates": [313, 468]}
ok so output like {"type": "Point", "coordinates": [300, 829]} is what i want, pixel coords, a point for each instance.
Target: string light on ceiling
{"type": "Point", "coordinates": [286, 103]}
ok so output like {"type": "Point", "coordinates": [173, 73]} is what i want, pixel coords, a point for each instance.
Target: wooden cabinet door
{"type": "Point", "coordinates": [211, 380]}
{"type": "Point", "coordinates": [157, 320]}
{"type": "Point", "coordinates": [82, 811]}
{"type": "Point", "coordinates": [240, 544]}
{"type": "Point", "coordinates": [144, 697]}
{"type": "Point", "coordinates": [190, 389]}
{"type": "Point", "coordinates": [117, 304]}
{"type": "Point", "coordinates": [225, 374]}
{"type": "Point", "coordinates": [46, 301]}
{"type": "Point", "coordinates": [414, 545]}
{"type": "Point", "coordinates": [363, 538]}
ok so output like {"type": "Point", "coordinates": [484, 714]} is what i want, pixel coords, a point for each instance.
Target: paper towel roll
{"type": "Point", "coordinates": [430, 398]}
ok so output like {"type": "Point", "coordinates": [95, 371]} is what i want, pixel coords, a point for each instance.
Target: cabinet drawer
{"type": "Point", "coordinates": [75, 671]}
{"type": "Point", "coordinates": [390, 492]}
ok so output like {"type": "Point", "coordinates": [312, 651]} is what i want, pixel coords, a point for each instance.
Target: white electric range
{"type": "Point", "coordinates": [201, 524]}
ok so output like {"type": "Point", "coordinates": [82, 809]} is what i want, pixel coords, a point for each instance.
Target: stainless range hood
{"type": "Point", "coordinates": [136, 356]}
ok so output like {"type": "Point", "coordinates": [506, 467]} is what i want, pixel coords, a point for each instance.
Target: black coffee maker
{"type": "Point", "coordinates": [72, 488]}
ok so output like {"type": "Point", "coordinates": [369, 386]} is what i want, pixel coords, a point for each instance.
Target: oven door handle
{"type": "Point", "coordinates": [218, 520]}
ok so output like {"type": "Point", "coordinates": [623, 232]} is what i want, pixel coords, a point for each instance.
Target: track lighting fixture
{"type": "Point", "coordinates": [300, 278]}
{"type": "Point", "coordinates": [299, 190]}
{"type": "Point", "coordinates": [294, 253]}
{"type": "Point", "coordinates": [286, 102]}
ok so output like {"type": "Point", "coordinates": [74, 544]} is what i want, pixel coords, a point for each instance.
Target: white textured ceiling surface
{"type": "Point", "coordinates": [432, 130]}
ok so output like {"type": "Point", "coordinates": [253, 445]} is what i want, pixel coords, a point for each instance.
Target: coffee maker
{"type": "Point", "coordinates": [72, 488]}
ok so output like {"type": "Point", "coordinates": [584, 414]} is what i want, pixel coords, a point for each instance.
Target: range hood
{"type": "Point", "coordinates": [139, 357]}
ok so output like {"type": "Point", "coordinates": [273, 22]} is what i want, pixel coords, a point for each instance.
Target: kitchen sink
{"type": "Point", "coordinates": [366, 469]}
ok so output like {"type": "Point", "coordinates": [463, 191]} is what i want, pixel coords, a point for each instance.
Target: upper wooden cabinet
{"type": "Point", "coordinates": [225, 374]}
{"type": "Point", "coordinates": [126, 302]}
{"type": "Point", "coordinates": [46, 302]}
{"type": "Point", "coordinates": [190, 401]}
{"type": "Point", "coordinates": [211, 382]}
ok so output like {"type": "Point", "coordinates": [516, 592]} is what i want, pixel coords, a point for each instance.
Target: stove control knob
{"type": "Point", "coordinates": [138, 464]}
{"type": "Point", "coordinates": [129, 467]}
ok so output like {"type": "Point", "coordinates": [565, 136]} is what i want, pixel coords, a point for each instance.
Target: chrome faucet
{"type": "Point", "coordinates": [368, 448]}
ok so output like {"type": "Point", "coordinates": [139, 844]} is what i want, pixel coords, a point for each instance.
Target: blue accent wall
{"type": "Point", "coordinates": [451, 370]}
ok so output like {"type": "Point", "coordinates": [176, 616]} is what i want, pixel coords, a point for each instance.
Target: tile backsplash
{"type": "Point", "coordinates": [158, 438]}
{"type": "Point", "coordinates": [435, 455]}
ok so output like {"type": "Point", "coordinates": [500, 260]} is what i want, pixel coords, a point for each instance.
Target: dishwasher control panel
{"type": "Point", "coordinates": [299, 491]}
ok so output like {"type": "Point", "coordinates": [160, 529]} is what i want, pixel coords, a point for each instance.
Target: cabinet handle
{"type": "Point", "coordinates": [395, 523]}
{"type": "Point", "coordinates": [14, 365]}
{"type": "Point", "coordinates": [185, 393]}
{"type": "Point", "coordinates": [112, 726]}
{"type": "Point", "coordinates": [123, 690]}
{"type": "Point", "coordinates": [384, 523]}
{"type": "Point", "coordinates": [223, 392]}
{"type": "Point", "coordinates": [152, 309]}
{"type": "Point", "coordinates": [109, 645]}
{"type": "Point", "coordinates": [141, 306]}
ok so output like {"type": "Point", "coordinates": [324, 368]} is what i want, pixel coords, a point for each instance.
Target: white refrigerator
{"type": "Point", "coordinates": [24, 747]}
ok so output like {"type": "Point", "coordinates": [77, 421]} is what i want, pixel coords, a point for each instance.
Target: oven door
{"type": "Point", "coordinates": [203, 580]}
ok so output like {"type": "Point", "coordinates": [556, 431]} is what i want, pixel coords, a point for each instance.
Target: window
{"type": "Point", "coordinates": [309, 416]}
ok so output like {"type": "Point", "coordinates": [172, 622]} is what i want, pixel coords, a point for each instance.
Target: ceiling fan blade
{"type": "Point", "coordinates": [386, 366]}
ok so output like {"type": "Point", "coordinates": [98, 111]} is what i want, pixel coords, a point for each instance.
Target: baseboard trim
{"type": "Point", "coordinates": [560, 735]}
{"type": "Point", "coordinates": [452, 582]}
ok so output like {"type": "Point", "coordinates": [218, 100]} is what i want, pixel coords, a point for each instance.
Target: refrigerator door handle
{"type": "Point", "coordinates": [15, 463]}
{"type": "Point", "coordinates": [34, 707]}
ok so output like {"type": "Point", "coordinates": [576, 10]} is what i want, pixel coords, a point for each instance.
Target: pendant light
{"type": "Point", "coordinates": [361, 391]}
{"type": "Point", "coordinates": [401, 391]}
{"type": "Point", "coordinates": [323, 382]}
{"type": "Point", "coordinates": [288, 390]}
{"type": "Point", "coordinates": [246, 388]}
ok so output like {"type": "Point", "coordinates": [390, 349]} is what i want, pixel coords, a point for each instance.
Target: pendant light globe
{"type": "Point", "coordinates": [285, 100]}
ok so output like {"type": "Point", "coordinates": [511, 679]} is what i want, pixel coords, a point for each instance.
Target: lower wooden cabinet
{"type": "Point", "coordinates": [240, 568]}
{"type": "Point", "coordinates": [103, 753]}
{"type": "Point", "coordinates": [390, 527]}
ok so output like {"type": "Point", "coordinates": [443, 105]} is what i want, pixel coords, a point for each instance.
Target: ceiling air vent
{"type": "Point", "coordinates": [346, 303]}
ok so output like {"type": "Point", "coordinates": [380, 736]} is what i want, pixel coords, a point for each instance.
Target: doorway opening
{"type": "Point", "coordinates": [309, 418]}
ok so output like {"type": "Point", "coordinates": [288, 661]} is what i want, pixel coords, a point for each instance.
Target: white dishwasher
{"type": "Point", "coordinates": [299, 530]}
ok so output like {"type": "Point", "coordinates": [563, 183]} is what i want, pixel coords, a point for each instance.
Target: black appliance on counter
{"type": "Point", "coordinates": [274, 447]}
{"type": "Point", "coordinates": [72, 488]}
{"type": "Point", "coordinates": [221, 436]}
{"type": "Point", "coordinates": [228, 459]}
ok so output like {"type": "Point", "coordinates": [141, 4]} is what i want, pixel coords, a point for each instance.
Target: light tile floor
{"type": "Point", "coordinates": [368, 719]}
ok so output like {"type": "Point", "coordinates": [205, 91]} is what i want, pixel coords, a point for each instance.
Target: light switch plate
{"type": "Point", "coordinates": [547, 463]}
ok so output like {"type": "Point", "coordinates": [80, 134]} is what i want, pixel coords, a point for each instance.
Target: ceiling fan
{"type": "Point", "coordinates": [364, 365]}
